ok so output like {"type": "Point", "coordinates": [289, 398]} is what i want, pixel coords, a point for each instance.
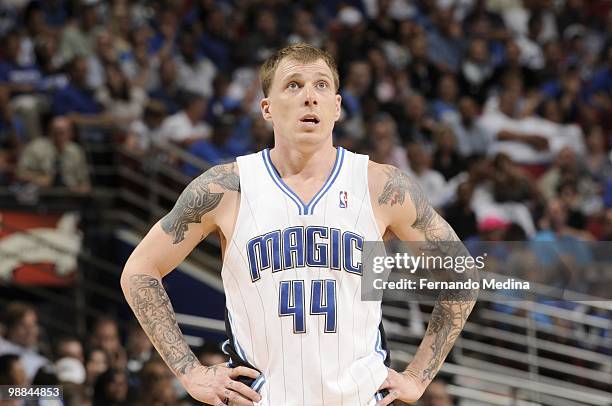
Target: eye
{"type": "Point", "coordinates": [322, 85]}
{"type": "Point", "coordinates": [292, 85]}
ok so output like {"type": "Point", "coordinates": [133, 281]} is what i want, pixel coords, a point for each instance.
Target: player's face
{"type": "Point", "coordinates": [302, 103]}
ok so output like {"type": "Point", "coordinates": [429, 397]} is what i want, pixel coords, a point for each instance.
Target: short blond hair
{"type": "Point", "coordinates": [301, 53]}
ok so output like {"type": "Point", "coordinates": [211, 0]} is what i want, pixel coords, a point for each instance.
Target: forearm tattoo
{"type": "Point", "coordinates": [197, 200]}
{"type": "Point", "coordinates": [154, 311]}
{"type": "Point", "coordinates": [452, 307]}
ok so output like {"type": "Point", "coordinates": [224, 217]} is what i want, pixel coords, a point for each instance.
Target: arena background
{"type": "Point", "coordinates": [502, 109]}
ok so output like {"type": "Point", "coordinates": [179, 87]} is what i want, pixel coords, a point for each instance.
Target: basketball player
{"type": "Point", "coordinates": [291, 221]}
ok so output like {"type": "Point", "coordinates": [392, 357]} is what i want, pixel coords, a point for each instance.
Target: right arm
{"type": "Point", "coordinates": [163, 249]}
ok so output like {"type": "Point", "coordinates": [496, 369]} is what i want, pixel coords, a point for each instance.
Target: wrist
{"type": "Point", "coordinates": [416, 376]}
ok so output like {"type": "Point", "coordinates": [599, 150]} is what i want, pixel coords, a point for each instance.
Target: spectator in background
{"type": "Point", "coordinates": [69, 347]}
{"type": "Point", "coordinates": [436, 394]}
{"type": "Point", "coordinates": [105, 335]}
{"type": "Point", "coordinates": [168, 91]}
{"type": "Point", "coordinates": [23, 82]}
{"type": "Point", "coordinates": [445, 42]}
{"type": "Point", "coordinates": [471, 137]}
{"type": "Point", "coordinates": [187, 126]}
{"type": "Point", "coordinates": [423, 75]}
{"type": "Point", "coordinates": [122, 102]}
{"type": "Point", "coordinates": [139, 348]}
{"type": "Point", "coordinates": [97, 363]}
{"type": "Point", "coordinates": [12, 371]}
{"type": "Point", "coordinates": [111, 388]}
{"type": "Point", "coordinates": [513, 136]}
{"type": "Point", "coordinates": [77, 99]}
{"type": "Point", "coordinates": [446, 104]}
{"type": "Point", "coordinates": [386, 148]}
{"type": "Point", "coordinates": [597, 160]}
{"type": "Point", "coordinates": [428, 179]}
{"type": "Point", "coordinates": [79, 36]}
{"type": "Point", "coordinates": [144, 133]}
{"type": "Point", "coordinates": [21, 337]}
{"type": "Point", "coordinates": [195, 72]}
{"type": "Point", "coordinates": [97, 62]}
{"type": "Point", "coordinates": [446, 160]}
{"type": "Point", "coordinates": [261, 135]}
{"type": "Point", "coordinates": [12, 137]}
{"type": "Point", "coordinates": [568, 168]}
{"type": "Point", "coordinates": [476, 71]}
{"type": "Point", "coordinates": [220, 148]}
{"type": "Point", "coordinates": [55, 161]}
{"type": "Point", "coordinates": [416, 125]}
{"type": "Point", "coordinates": [357, 84]}
{"type": "Point", "coordinates": [210, 354]}
{"type": "Point", "coordinates": [460, 214]}
{"type": "Point", "coordinates": [156, 383]}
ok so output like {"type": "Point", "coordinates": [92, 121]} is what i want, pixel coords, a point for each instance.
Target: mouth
{"type": "Point", "coordinates": [310, 119]}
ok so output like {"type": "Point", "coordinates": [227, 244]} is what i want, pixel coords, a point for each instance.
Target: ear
{"type": "Point", "coordinates": [265, 109]}
{"type": "Point", "coordinates": [338, 107]}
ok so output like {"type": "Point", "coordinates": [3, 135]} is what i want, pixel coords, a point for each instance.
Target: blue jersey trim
{"type": "Point", "coordinates": [330, 181]}
{"type": "Point", "coordinates": [306, 209]}
{"type": "Point", "coordinates": [279, 182]}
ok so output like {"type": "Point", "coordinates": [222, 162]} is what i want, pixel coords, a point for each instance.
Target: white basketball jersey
{"type": "Point", "coordinates": [292, 279]}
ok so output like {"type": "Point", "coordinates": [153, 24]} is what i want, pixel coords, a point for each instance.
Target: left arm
{"type": "Point", "coordinates": [408, 214]}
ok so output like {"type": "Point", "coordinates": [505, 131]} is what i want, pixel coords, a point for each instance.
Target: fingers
{"type": "Point", "coordinates": [386, 384]}
{"type": "Point", "coordinates": [244, 371]}
{"type": "Point", "coordinates": [244, 390]}
{"type": "Point", "coordinates": [234, 399]}
{"type": "Point", "coordinates": [389, 398]}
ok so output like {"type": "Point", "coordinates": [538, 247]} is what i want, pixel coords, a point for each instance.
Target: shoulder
{"type": "Point", "coordinates": [393, 192]}
{"type": "Point", "coordinates": [225, 176]}
{"type": "Point", "coordinates": [204, 201]}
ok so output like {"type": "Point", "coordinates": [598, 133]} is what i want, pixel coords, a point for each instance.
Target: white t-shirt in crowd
{"type": "Point", "coordinates": [178, 128]}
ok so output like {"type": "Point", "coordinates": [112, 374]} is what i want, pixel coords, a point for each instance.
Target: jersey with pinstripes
{"type": "Point", "coordinates": [292, 276]}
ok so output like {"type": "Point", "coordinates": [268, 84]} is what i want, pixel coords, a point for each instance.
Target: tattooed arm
{"type": "Point", "coordinates": [406, 212]}
{"type": "Point", "coordinates": [194, 216]}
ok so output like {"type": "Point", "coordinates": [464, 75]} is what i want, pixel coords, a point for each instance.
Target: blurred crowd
{"type": "Point", "coordinates": [500, 109]}
{"type": "Point", "coordinates": [103, 369]}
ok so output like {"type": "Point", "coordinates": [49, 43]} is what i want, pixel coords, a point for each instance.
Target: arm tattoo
{"type": "Point", "coordinates": [452, 307]}
{"type": "Point", "coordinates": [197, 200]}
{"type": "Point", "coordinates": [156, 315]}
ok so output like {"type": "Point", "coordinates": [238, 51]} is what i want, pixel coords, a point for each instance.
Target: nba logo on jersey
{"type": "Point", "coordinates": [343, 199]}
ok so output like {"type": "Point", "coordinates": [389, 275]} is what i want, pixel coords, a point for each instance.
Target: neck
{"type": "Point", "coordinates": [308, 161]}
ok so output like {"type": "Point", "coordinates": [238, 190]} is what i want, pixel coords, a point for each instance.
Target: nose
{"type": "Point", "coordinates": [310, 96]}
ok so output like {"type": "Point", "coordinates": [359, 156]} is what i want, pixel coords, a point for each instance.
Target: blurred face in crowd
{"type": "Point", "coordinates": [557, 214]}
{"type": "Point", "coordinates": [383, 135]}
{"type": "Point", "coordinates": [595, 142]}
{"type": "Point", "coordinates": [508, 103]}
{"type": "Point", "coordinates": [78, 73]}
{"type": "Point", "coordinates": [167, 71]}
{"type": "Point", "coordinates": [436, 395]}
{"type": "Point", "coordinates": [360, 77]}
{"type": "Point", "coordinates": [447, 88]}
{"type": "Point", "coordinates": [468, 109]}
{"type": "Point", "coordinates": [96, 365]}
{"type": "Point", "coordinates": [117, 388]}
{"type": "Point", "coordinates": [418, 47]}
{"type": "Point", "coordinates": [25, 332]}
{"type": "Point", "coordinates": [106, 336]}
{"type": "Point", "coordinates": [60, 131]}
{"type": "Point", "coordinates": [478, 51]}
{"type": "Point", "coordinates": [211, 358]}
{"type": "Point", "coordinates": [71, 348]}
{"type": "Point", "coordinates": [153, 371]}
{"type": "Point", "coordinates": [161, 393]}
{"type": "Point", "coordinates": [302, 103]}
{"type": "Point", "coordinates": [138, 342]}
{"type": "Point", "coordinates": [566, 160]}
{"type": "Point", "coordinates": [415, 107]}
